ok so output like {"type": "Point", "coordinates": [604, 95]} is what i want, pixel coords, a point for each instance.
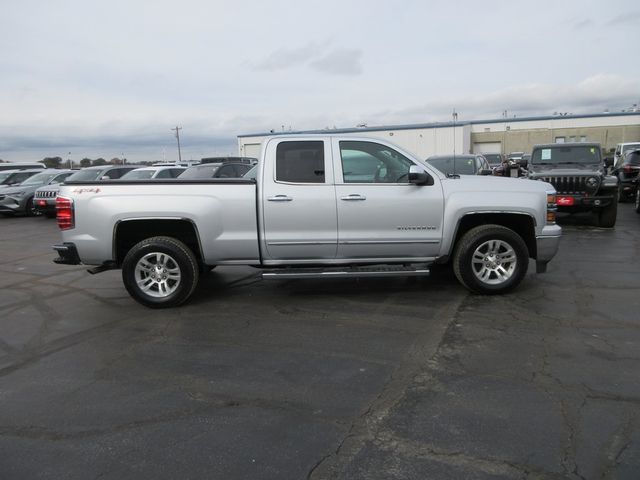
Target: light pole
{"type": "Point", "coordinates": [454, 115]}
{"type": "Point", "coordinates": [177, 129]}
{"type": "Point", "coordinates": [69, 160]}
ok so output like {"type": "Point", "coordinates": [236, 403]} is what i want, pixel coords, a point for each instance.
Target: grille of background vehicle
{"type": "Point", "coordinates": [46, 194]}
{"type": "Point", "coordinates": [567, 184]}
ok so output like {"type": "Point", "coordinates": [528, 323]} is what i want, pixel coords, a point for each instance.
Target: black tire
{"type": "Point", "coordinates": [606, 218]}
{"type": "Point", "coordinates": [30, 209]}
{"type": "Point", "coordinates": [507, 244]}
{"type": "Point", "coordinates": [637, 203]}
{"type": "Point", "coordinates": [168, 282]}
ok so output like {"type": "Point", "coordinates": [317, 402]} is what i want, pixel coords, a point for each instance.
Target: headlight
{"type": "Point", "coordinates": [592, 182]}
{"type": "Point", "coordinates": [552, 207]}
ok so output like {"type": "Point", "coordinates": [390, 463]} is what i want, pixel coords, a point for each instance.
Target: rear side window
{"type": "Point", "coordinates": [300, 162]}
{"type": "Point", "coordinates": [164, 174]}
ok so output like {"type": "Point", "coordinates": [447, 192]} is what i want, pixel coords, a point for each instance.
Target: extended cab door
{"type": "Point", "coordinates": [298, 201]}
{"type": "Point", "coordinates": [380, 214]}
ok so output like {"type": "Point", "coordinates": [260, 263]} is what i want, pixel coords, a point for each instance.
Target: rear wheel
{"type": "Point", "coordinates": [160, 272]}
{"type": "Point", "coordinates": [490, 259]}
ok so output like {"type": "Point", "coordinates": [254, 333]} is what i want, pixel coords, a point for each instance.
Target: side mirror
{"type": "Point", "coordinates": [608, 162]}
{"type": "Point", "coordinates": [523, 162]}
{"type": "Point", "coordinates": [105, 177]}
{"type": "Point", "coordinates": [486, 171]}
{"type": "Point", "coordinates": [418, 176]}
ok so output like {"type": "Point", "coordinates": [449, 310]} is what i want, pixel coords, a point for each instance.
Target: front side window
{"type": "Point", "coordinates": [300, 162]}
{"type": "Point", "coordinates": [368, 162]}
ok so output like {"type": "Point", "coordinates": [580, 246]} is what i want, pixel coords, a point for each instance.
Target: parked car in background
{"type": "Point", "coordinates": [18, 199]}
{"type": "Point", "coordinates": [16, 177]}
{"type": "Point", "coordinates": [577, 172]}
{"type": "Point", "coordinates": [249, 160]}
{"type": "Point", "coordinates": [45, 197]}
{"type": "Point", "coordinates": [20, 166]}
{"type": "Point", "coordinates": [466, 164]}
{"type": "Point", "coordinates": [621, 149]}
{"type": "Point", "coordinates": [215, 170]}
{"type": "Point", "coordinates": [627, 172]}
{"type": "Point", "coordinates": [148, 173]}
{"type": "Point", "coordinates": [493, 159]}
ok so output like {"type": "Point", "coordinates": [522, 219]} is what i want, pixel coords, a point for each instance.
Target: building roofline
{"type": "Point", "coordinates": [440, 124]}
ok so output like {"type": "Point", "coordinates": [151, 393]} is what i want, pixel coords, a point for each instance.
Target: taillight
{"type": "Point", "coordinates": [627, 169]}
{"type": "Point", "coordinates": [64, 213]}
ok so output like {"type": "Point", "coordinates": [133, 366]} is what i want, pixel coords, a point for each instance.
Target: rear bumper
{"type": "Point", "coordinates": [67, 254]}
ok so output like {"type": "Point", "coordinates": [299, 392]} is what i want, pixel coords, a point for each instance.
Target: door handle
{"type": "Point", "coordinates": [280, 198]}
{"type": "Point", "coordinates": [353, 196]}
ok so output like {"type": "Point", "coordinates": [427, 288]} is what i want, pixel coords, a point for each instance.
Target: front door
{"type": "Point", "coordinates": [381, 216]}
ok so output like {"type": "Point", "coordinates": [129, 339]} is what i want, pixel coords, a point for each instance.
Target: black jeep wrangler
{"type": "Point", "coordinates": [577, 172]}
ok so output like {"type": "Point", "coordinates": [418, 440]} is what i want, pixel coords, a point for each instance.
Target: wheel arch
{"type": "Point", "coordinates": [521, 223]}
{"type": "Point", "coordinates": [127, 233]}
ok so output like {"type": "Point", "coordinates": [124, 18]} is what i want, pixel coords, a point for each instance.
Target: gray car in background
{"type": "Point", "coordinates": [9, 178]}
{"type": "Point", "coordinates": [45, 197]}
{"type": "Point", "coordinates": [18, 199]}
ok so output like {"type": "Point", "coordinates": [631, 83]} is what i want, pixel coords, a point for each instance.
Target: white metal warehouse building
{"type": "Point", "coordinates": [502, 135]}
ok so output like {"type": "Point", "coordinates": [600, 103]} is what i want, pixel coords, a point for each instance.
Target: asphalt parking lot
{"type": "Point", "coordinates": [376, 378]}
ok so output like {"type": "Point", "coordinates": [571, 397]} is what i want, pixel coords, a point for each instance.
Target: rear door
{"type": "Point", "coordinates": [299, 201]}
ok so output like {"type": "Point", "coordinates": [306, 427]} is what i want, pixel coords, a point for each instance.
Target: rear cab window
{"type": "Point", "coordinates": [300, 162]}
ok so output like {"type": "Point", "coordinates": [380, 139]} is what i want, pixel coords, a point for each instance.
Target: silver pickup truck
{"type": "Point", "coordinates": [319, 206]}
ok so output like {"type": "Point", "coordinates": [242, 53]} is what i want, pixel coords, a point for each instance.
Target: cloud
{"type": "Point", "coordinates": [593, 94]}
{"type": "Point", "coordinates": [290, 57]}
{"type": "Point", "coordinates": [584, 23]}
{"type": "Point", "coordinates": [340, 62]}
{"type": "Point", "coordinates": [625, 18]}
{"type": "Point", "coordinates": [318, 56]}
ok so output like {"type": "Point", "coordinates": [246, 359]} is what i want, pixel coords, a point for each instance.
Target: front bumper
{"type": "Point", "coordinates": [582, 203]}
{"type": "Point", "coordinates": [10, 204]}
{"type": "Point", "coordinates": [45, 205]}
{"type": "Point", "coordinates": [547, 245]}
{"type": "Point", "coordinates": [68, 254]}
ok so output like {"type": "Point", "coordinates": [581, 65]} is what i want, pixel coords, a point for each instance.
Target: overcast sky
{"type": "Point", "coordinates": [111, 78]}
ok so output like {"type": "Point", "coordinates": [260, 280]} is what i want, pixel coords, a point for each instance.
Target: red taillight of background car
{"type": "Point", "coordinates": [64, 213]}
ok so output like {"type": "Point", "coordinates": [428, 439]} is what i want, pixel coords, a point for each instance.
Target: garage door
{"type": "Point", "coordinates": [487, 147]}
{"type": "Point", "coordinates": [252, 150]}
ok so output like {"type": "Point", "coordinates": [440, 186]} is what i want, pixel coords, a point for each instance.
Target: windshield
{"type": "Point", "coordinates": [463, 165]}
{"type": "Point", "coordinates": [566, 155]}
{"type": "Point", "coordinates": [631, 146]}
{"type": "Point", "coordinates": [199, 171]}
{"type": "Point", "coordinates": [85, 175]}
{"type": "Point", "coordinates": [39, 179]}
{"type": "Point", "coordinates": [138, 175]}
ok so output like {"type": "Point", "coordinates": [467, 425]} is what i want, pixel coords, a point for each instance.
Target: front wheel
{"type": "Point", "coordinates": [490, 259]}
{"type": "Point", "coordinates": [606, 218]}
{"type": "Point", "coordinates": [160, 272]}
{"type": "Point", "coordinates": [30, 209]}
